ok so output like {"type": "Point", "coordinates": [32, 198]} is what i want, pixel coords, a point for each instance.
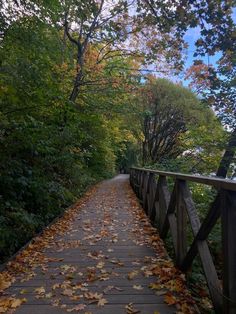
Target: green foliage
{"type": "Point", "coordinates": [50, 151]}
{"type": "Point", "coordinates": [178, 129]}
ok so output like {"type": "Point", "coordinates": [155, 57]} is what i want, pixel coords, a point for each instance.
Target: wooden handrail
{"type": "Point", "coordinates": [212, 181]}
{"type": "Point", "coordinates": [170, 211]}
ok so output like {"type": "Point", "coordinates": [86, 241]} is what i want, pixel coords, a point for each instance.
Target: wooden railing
{"type": "Point", "coordinates": [171, 212]}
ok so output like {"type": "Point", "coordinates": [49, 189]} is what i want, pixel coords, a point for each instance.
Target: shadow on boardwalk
{"type": "Point", "coordinates": [102, 256]}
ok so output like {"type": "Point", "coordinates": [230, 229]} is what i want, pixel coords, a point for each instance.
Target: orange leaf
{"type": "Point", "coordinates": [170, 299]}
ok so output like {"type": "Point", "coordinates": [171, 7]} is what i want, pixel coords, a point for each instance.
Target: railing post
{"type": "Point", "coordinates": [145, 188]}
{"type": "Point", "coordinates": [164, 200]}
{"type": "Point", "coordinates": [181, 217]}
{"type": "Point", "coordinates": [140, 191]}
{"type": "Point", "coordinates": [174, 210]}
{"type": "Point", "coordinates": [131, 177]}
{"type": "Point", "coordinates": [152, 194]}
{"type": "Point", "coordinates": [154, 204]}
{"type": "Point", "coordinates": [228, 214]}
{"type": "Point", "coordinates": [148, 193]}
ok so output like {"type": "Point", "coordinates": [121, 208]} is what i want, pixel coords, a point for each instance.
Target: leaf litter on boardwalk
{"type": "Point", "coordinates": [31, 258]}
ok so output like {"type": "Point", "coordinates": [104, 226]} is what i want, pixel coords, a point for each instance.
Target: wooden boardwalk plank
{"type": "Point", "coordinates": [104, 247]}
{"type": "Point", "coordinates": [107, 309]}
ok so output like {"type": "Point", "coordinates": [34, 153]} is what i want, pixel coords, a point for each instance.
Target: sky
{"type": "Point", "coordinates": [191, 36]}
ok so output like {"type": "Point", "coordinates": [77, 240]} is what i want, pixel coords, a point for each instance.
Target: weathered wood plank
{"type": "Point", "coordinates": [181, 226]}
{"type": "Point", "coordinates": [145, 189]}
{"type": "Point", "coordinates": [147, 192]}
{"type": "Point", "coordinates": [204, 252]}
{"type": "Point", "coordinates": [107, 309]}
{"type": "Point", "coordinates": [164, 200]}
{"type": "Point", "coordinates": [107, 240]}
{"type": "Point", "coordinates": [151, 193]}
{"type": "Point", "coordinates": [170, 221]}
{"type": "Point", "coordinates": [181, 202]}
{"type": "Point", "coordinates": [228, 214]}
{"type": "Point", "coordinates": [153, 212]}
{"type": "Point", "coordinates": [212, 181]}
{"type": "Point", "coordinates": [205, 229]}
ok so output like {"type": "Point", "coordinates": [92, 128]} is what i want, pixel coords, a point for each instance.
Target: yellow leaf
{"type": "Point", "coordinates": [5, 281]}
{"type": "Point", "coordinates": [17, 302]}
{"type": "Point", "coordinates": [100, 265]}
{"type": "Point", "coordinates": [138, 287]}
{"type": "Point", "coordinates": [56, 286]}
{"type": "Point", "coordinates": [102, 302]}
{"type": "Point", "coordinates": [67, 292]}
{"type": "Point", "coordinates": [77, 308]}
{"type": "Point", "coordinates": [40, 290]}
{"type": "Point", "coordinates": [130, 309]}
{"type": "Point", "coordinates": [132, 274]}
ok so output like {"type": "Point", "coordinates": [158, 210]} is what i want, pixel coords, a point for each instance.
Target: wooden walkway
{"type": "Point", "coordinates": [102, 256]}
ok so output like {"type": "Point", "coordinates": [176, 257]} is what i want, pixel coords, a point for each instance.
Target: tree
{"type": "Point", "coordinates": [50, 152]}
{"type": "Point", "coordinates": [172, 118]}
{"type": "Point", "coordinates": [218, 89]}
{"type": "Point", "coordinates": [217, 35]}
{"type": "Point", "coordinates": [118, 29]}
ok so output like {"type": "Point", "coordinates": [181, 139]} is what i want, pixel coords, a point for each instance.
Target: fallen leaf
{"type": "Point", "coordinates": [4, 284]}
{"type": "Point", "coordinates": [17, 302]}
{"type": "Point", "coordinates": [56, 286]}
{"type": "Point", "coordinates": [100, 265]}
{"type": "Point", "coordinates": [170, 299]}
{"type": "Point", "coordinates": [138, 287]}
{"type": "Point", "coordinates": [102, 302]}
{"type": "Point", "coordinates": [77, 308]}
{"type": "Point", "coordinates": [48, 295]}
{"type": "Point", "coordinates": [92, 296]}
{"type": "Point", "coordinates": [132, 274]}
{"type": "Point", "coordinates": [130, 309]}
{"type": "Point", "coordinates": [40, 290]}
{"type": "Point", "coordinates": [67, 292]}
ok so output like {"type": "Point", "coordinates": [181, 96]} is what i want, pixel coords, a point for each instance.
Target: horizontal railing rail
{"type": "Point", "coordinates": [170, 211]}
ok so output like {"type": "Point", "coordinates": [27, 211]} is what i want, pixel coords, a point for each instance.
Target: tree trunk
{"type": "Point", "coordinates": [74, 93]}
{"type": "Point", "coordinates": [228, 156]}
{"type": "Point", "coordinates": [76, 87]}
{"type": "Point", "coordinates": [145, 152]}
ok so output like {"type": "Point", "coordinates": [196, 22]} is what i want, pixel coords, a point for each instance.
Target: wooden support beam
{"type": "Point", "coordinates": [170, 221]}
{"type": "Point", "coordinates": [228, 215]}
{"type": "Point", "coordinates": [152, 213]}
{"type": "Point", "coordinates": [151, 193]}
{"type": "Point", "coordinates": [145, 189]}
{"type": "Point", "coordinates": [181, 225]}
{"type": "Point", "coordinates": [203, 250]}
{"type": "Point", "coordinates": [170, 213]}
{"type": "Point", "coordinates": [164, 200]}
{"type": "Point", "coordinates": [205, 229]}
